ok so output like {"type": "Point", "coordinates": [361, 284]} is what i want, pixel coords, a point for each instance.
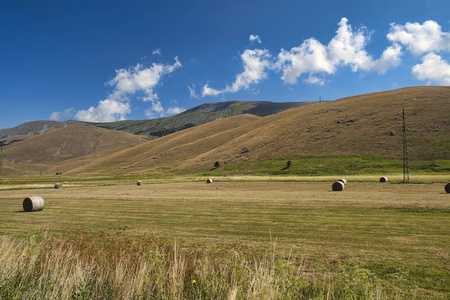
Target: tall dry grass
{"type": "Point", "coordinates": [88, 266]}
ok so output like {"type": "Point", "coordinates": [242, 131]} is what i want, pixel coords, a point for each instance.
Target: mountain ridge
{"type": "Point", "coordinates": [158, 127]}
{"type": "Point", "coordinates": [365, 124]}
{"type": "Point", "coordinates": [368, 124]}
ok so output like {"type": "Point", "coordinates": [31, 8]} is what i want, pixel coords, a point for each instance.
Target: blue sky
{"type": "Point", "coordinates": [107, 60]}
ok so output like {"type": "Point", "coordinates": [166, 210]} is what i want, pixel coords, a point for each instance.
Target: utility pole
{"type": "Point", "coordinates": [1, 164]}
{"type": "Point", "coordinates": [405, 153]}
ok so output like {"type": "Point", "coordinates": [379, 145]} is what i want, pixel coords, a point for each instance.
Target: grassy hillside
{"type": "Point", "coordinates": [365, 125]}
{"type": "Point", "coordinates": [318, 138]}
{"type": "Point", "coordinates": [31, 128]}
{"type": "Point", "coordinates": [63, 149]}
{"type": "Point", "coordinates": [368, 124]}
{"type": "Point", "coordinates": [163, 153]}
{"type": "Point", "coordinates": [198, 115]}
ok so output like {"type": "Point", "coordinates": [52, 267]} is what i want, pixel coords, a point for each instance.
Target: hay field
{"type": "Point", "coordinates": [390, 229]}
{"type": "Point", "coordinates": [297, 214]}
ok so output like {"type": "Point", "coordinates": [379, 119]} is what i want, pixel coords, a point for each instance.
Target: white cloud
{"type": "Point", "coordinates": [390, 58]}
{"type": "Point", "coordinates": [175, 110]}
{"type": "Point", "coordinates": [312, 60]}
{"type": "Point", "coordinates": [107, 111]}
{"type": "Point", "coordinates": [420, 38]}
{"type": "Point", "coordinates": [139, 79]}
{"type": "Point", "coordinates": [255, 38]}
{"type": "Point", "coordinates": [57, 115]}
{"type": "Point", "coordinates": [157, 110]}
{"type": "Point", "coordinates": [256, 62]}
{"type": "Point", "coordinates": [207, 91]}
{"type": "Point", "coordinates": [157, 52]}
{"type": "Point", "coordinates": [126, 83]}
{"type": "Point", "coordinates": [192, 92]}
{"type": "Point", "coordinates": [314, 80]}
{"type": "Point", "coordinates": [433, 68]}
{"type": "Point", "coordinates": [309, 57]}
{"type": "Point", "coordinates": [346, 48]}
{"type": "Point", "coordinates": [425, 38]}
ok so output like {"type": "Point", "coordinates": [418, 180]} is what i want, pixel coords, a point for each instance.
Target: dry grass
{"type": "Point", "coordinates": [360, 125]}
{"type": "Point", "coordinates": [65, 149]}
{"type": "Point", "coordinates": [87, 267]}
{"type": "Point", "coordinates": [389, 232]}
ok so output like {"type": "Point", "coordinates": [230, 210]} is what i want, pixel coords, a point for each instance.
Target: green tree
{"type": "Point", "coordinates": [288, 164]}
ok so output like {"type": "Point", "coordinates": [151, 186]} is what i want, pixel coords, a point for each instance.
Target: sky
{"type": "Point", "coordinates": [110, 60]}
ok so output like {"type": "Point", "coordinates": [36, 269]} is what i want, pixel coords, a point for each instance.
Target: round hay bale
{"type": "Point", "coordinates": [209, 180]}
{"type": "Point", "coordinates": [383, 179]}
{"type": "Point", "coordinates": [344, 181]}
{"type": "Point", "coordinates": [58, 185]}
{"type": "Point", "coordinates": [33, 203]}
{"type": "Point", "coordinates": [447, 188]}
{"type": "Point", "coordinates": [338, 186]}
{"type": "Point", "coordinates": [139, 182]}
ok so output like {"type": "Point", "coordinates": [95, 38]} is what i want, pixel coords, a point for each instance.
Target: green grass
{"type": "Point", "coordinates": [333, 165]}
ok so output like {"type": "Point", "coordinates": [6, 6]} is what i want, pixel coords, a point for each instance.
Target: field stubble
{"type": "Point", "coordinates": [400, 233]}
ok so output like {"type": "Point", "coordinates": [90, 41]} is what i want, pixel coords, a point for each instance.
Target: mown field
{"type": "Point", "coordinates": [230, 239]}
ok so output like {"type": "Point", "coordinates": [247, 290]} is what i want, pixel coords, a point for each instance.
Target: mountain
{"type": "Point", "coordinates": [201, 114]}
{"type": "Point", "coordinates": [154, 128]}
{"type": "Point", "coordinates": [365, 124]}
{"type": "Point", "coordinates": [31, 128]}
{"type": "Point", "coordinates": [358, 125]}
{"type": "Point", "coordinates": [64, 149]}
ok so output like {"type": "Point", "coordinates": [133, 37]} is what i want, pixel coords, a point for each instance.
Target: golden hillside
{"type": "Point", "coordinates": [365, 124]}
{"type": "Point", "coordinates": [170, 150]}
{"type": "Point", "coordinates": [65, 148]}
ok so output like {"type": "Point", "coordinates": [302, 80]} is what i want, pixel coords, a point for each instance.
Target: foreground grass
{"type": "Point", "coordinates": [236, 240]}
{"type": "Point", "coordinates": [80, 266]}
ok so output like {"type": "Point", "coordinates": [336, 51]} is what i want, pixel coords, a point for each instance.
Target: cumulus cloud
{"type": "Point", "coordinates": [346, 48]}
{"type": "Point", "coordinates": [389, 59]}
{"type": "Point", "coordinates": [208, 91]}
{"type": "Point", "coordinates": [107, 111]}
{"type": "Point", "coordinates": [129, 82]}
{"type": "Point", "coordinates": [314, 80]}
{"type": "Point", "coordinates": [58, 115]}
{"type": "Point", "coordinates": [311, 61]}
{"type": "Point", "coordinates": [309, 57]}
{"type": "Point", "coordinates": [256, 62]}
{"type": "Point", "coordinates": [175, 110]}
{"type": "Point", "coordinates": [255, 38]}
{"type": "Point", "coordinates": [55, 116]}
{"type": "Point", "coordinates": [433, 68]}
{"type": "Point", "coordinates": [427, 38]}
{"type": "Point", "coordinates": [420, 38]}
{"type": "Point", "coordinates": [158, 111]}
{"type": "Point", "coordinates": [140, 79]}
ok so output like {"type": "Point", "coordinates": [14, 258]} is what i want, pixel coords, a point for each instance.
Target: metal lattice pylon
{"type": "Point", "coordinates": [405, 153]}
{"type": "Point", "coordinates": [1, 164]}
